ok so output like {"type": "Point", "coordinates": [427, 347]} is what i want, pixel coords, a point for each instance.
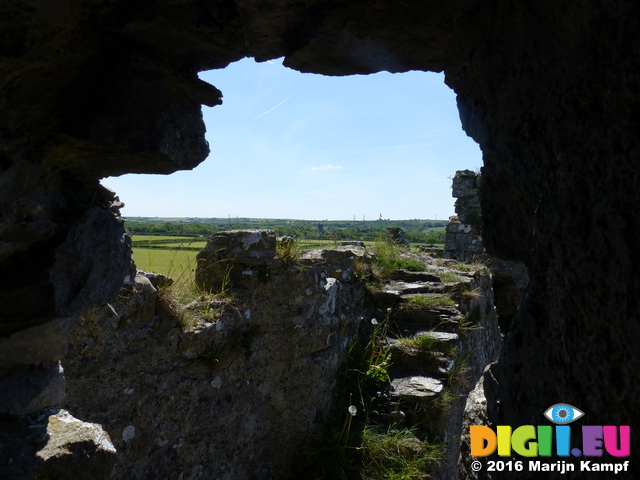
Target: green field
{"type": "Point", "coordinates": [166, 241]}
{"type": "Point", "coordinates": [175, 263]}
{"type": "Point", "coordinates": [175, 256]}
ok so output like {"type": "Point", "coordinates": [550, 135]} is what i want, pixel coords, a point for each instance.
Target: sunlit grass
{"type": "Point", "coordinates": [178, 264]}
{"type": "Point", "coordinates": [419, 301]}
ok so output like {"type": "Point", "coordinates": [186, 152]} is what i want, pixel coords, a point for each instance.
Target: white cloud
{"type": "Point", "coordinates": [327, 166]}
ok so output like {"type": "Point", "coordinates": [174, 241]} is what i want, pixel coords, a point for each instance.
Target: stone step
{"type": "Point", "coordinates": [408, 329]}
{"type": "Point", "coordinates": [427, 316]}
{"type": "Point", "coordinates": [446, 338]}
{"type": "Point", "coordinates": [406, 361]}
{"type": "Point", "coordinates": [400, 288]}
{"type": "Point", "coordinates": [442, 336]}
{"type": "Point", "coordinates": [414, 277]}
{"type": "Point", "coordinates": [416, 386]}
{"type": "Point", "coordinates": [433, 359]}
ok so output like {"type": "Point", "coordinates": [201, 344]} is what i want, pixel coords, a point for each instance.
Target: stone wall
{"type": "Point", "coordinates": [233, 383]}
{"type": "Point", "coordinates": [230, 387]}
{"type": "Point", "coordinates": [463, 238]}
{"type": "Point", "coordinates": [463, 241]}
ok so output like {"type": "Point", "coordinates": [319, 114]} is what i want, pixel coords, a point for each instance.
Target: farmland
{"type": "Point", "coordinates": [169, 245]}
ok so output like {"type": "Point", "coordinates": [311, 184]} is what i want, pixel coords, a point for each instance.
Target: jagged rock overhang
{"type": "Point", "coordinates": [549, 89]}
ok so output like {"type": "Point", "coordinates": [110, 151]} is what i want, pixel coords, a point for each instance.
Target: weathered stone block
{"type": "Point", "coordinates": [230, 258]}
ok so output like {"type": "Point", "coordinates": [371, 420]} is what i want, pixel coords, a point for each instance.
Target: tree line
{"type": "Point", "coordinates": [417, 231]}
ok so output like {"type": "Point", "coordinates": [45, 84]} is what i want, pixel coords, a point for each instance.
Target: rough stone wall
{"type": "Point", "coordinates": [463, 241]}
{"type": "Point", "coordinates": [556, 116]}
{"type": "Point", "coordinates": [234, 386]}
{"type": "Point", "coordinates": [479, 346]}
{"type": "Point", "coordinates": [549, 89]}
{"type": "Point", "coordinates": [463, 238]}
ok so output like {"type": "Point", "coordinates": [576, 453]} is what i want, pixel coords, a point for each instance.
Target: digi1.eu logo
{"type": "Point", "coordinates": [547, 440]}
{"type": "Point", "coordinates": [590, 444]}
{"type": "Point", "coordinates": [562, 413]}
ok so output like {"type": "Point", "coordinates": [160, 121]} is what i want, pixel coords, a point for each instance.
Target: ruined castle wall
{"type": "Point", "coordinates": [463, 238]}
{"type": "Point", "coordinates": [238, 385]}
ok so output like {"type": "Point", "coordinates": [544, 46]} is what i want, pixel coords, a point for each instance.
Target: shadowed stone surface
{"type": "Point", "coordinates": [226, 388]}
{"type": "Point", "coordinates": [549, 89]}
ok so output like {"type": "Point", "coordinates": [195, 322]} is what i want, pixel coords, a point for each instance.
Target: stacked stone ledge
{"type": "Point", "coordinates": [463, 238]}
{"type": "Point", "coordinates": [463, 241]}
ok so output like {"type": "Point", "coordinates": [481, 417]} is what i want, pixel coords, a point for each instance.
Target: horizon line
{"type": "Point", "coordinates": [289, 219]}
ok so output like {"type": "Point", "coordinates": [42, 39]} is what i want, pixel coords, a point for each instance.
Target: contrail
{"type": "Point", "coordinates": [272, 109]}
{"type": "Point", "coordinates": [285, 100]}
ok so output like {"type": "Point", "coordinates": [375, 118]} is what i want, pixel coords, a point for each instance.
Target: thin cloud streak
{"type": "Point", "coordinates": [272, 109]}
{"type": "Point", "coordinates": [285, 100]}
{"type": "Point", "coordinates": [327, 166]}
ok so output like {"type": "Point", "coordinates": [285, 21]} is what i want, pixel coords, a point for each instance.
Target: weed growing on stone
{"type": "Point", "coordinates": [471, 320]}
{"type": "Point", "coordinates": [457, 376]}
{"type": "Point", "coordinates": [336, 451]}
{"type": "Point", "coordinates": [166, 304]}
{"type": "Point", "coordinates": [429, 343]}
{"type": "Point", "coordinates": [359, 447]}
{"type": "Point", "coordinates": [433, 411]}
{"type": "Point", "coordinates": [288, 250]}
{"type": "Point", "coordinates": [450, 277]}
{"type": "Point", "coordinates": [396, 454]}
{"type": "Point", "coordinates": [470, 267]}
{"type": "Point", "coordinates": [368, 368]}
{"type": "Point", "coordinates": [469, 296]}
{"type": "Point", "coordinates": [388, 258]}
{"type": "Point", "coordinates": [442, 262]}
{"type": "Point", "coordinates": [419, 301]}
{"type": "Point", "coordinates": [362, 269]}
{"type": "Point", "coordinates": [195, 306]}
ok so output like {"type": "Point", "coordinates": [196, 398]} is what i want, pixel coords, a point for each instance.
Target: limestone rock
{"type": "Point", "coordinates": [157, 279]}
{"type": "Point", "coordinates": [75, 449]}
{"type": "Point", "coordinates": [228, 386]}
{"type": "Point", "coordinates": [352, 243]}
{"type": "Point", "coordinates": [53, 444]}
{"type": "Point", "coordinates": [229, 257]}
{"type": "Point", "coordinates": [397, 235]}
{"type": "Point", "coordinates": [416, 386]}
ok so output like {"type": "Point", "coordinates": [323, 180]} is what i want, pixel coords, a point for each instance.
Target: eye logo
{"type": "Point", "coordinates": [563, 413]}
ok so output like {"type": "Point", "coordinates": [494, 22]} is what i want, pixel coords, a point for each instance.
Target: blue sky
{"type": "Point", "coordinates": [301, 146]}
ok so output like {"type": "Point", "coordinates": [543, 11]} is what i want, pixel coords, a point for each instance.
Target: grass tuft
{"type": "Point", "coordinates": [450, 277]}
{"type": "Point", "coordinates": [430, 344]}
{"type": "Point", "coordinates": [419, 301]}
{"type": "Point", "coordinates": [289, 250]}
{"type": "Point", "coordinates": [469, 296]}
{"type": "Point", "coordinates": [396, 454]}
{"type": "Point", "coordinates": [389, 258]}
